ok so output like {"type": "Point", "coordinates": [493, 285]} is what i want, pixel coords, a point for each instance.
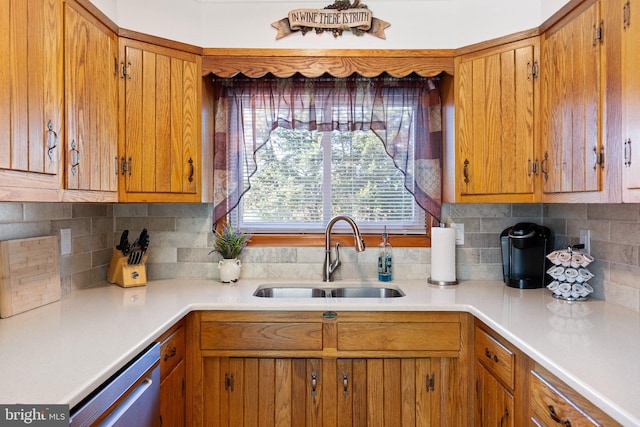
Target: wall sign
{"type": "Point", "coordinates": [337, 17]}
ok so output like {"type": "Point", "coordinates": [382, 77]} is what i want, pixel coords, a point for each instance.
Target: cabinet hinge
{"type": "Point", "coordinates": [626, 15]}
{"type": "Point", "coordinates": [598, 33]}
{"type": "Point", "coordinates": [430, 382]}
{"type": "Point", "coordinates": [598, 158]}
{"type": "Point", "coordinates": [532, 70]}
{"type": "Point", "coordinates": [627, 152]}
{"type": "Point", "coordinates": [532, 168]}
{"type": "Point", "coordinates": [228, 381]}
{"type": "Point", "coordinates": [125, 70]}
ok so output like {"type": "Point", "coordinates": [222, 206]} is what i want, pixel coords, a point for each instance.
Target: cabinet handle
{"type": "Point", "coordinates": [504, 416]}
{"type": "Point", "coordinates": [627, 152]}
{"type": "Point", "coordinates": [491, 356]}
{"type": "Point", "coordinates": [117, 165]}
{"type": "Point", "coordinates": [626, 15]}
{"type": "Point", "coordinates": [556, 418]}
{"type": "Point", "coordinates": [314, 383]}
{"type": "Point", "coordinates": [228, 381]}
{"type": "Point", "coordinates": [345, 384]}
{"type": "Point", "coordinates": [54, 143]}
{"type": "Point", "coordinates": [192, 169]}
{"type": "Point", "coordinates": [74, 162]}
{"type": "Point", "coordinates": [465, 171]}
{"type": "Point", "coordinates": [171, 354]}
{"type": "Point", "coordinates": [543, 167]}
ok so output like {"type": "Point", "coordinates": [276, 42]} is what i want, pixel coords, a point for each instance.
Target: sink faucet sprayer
{"type": "Point", "coordinates": [331, 266]}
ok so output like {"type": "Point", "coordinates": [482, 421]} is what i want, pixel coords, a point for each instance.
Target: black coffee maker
{"type": "Point", "coordinates": [524, 249]}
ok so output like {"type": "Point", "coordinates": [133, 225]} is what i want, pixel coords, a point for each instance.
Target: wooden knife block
{"type": "Point", "coordinates": [125, 275]}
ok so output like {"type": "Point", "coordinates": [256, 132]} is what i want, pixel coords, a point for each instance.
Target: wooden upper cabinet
{"type": "Point", "coordinates": [31, 127]}
{"type": "Point", "coordinates": [160, 143]}
{"type": "Point", "coordinates": [496, 109]}
{"type": "Point", "coordinates": [631, 99]}
{"type": "Point", "coordinates": [91, 102]}
{"type": "Point", "coordinates": [571, 128]}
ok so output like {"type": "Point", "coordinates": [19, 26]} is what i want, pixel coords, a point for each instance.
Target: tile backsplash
{"type": "Point", "coordinates": [181, 242]}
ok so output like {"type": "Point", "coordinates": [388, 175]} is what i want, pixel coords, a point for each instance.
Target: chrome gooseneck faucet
{"type": "Point", "coordinates": [331, 266]}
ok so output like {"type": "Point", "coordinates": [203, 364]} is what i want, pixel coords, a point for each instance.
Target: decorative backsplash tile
{"type": "Point", "coordinates": [181, 241]}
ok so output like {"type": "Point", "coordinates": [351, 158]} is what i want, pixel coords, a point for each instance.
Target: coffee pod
{"type": "Point", "coordinates": [564, 258]}
{"type": "Point", "coordinates": [564, 289]}
{"type": "Point", "coordinates": [584, 275]}
{"type": "Point", "coordinates": [587, 259]}
{"type": "Point", "coordinates": [577, 260]}
{"type": "Point", "coordinates": [577, 290]}
{"type": "Point", "coordinates": [571, 274]}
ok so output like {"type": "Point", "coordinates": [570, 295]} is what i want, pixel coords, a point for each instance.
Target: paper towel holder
{"type": "Point", "coordinates": [442, 282]}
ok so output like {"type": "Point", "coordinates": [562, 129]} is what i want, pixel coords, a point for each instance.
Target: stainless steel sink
{"type": "Point", "coordinates": [291, 291]}
{"type": "Point", "coordinates": [366, 292]}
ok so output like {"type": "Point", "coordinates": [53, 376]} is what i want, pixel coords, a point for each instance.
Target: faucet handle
{"type": "Point", "coordinates": [336, 263]}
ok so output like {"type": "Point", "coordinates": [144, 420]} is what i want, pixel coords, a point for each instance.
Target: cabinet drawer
{"type": "Point", "coordinates": [260, 336]}
{"type": "Point", "coordinates": [172, 352]}
{"type": "Point", "coordinates": [550, 407]}
{"type": "Point", "coordinates": [498, 359]}
{"type": "Point", "coordinates": [436, 336]}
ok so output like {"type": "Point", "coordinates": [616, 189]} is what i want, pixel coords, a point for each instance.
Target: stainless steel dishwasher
{"type": "Point", "coordinates": [130, 398]}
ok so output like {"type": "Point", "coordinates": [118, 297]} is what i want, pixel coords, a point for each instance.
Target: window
{"type": "Point", "coordinates": [304, 178]}
{"type": "Point", "coordinates": [292, 153]}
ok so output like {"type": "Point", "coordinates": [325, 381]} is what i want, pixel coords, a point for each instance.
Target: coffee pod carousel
{"type": "Point", "coordinates": [570, 274]}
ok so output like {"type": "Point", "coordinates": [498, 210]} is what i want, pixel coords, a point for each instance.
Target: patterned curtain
{"type": "Point", "coordinates": [396, 110]}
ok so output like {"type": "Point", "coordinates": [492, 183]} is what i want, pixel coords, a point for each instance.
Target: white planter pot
{"type": "Point", "coordinates": [229, 270]}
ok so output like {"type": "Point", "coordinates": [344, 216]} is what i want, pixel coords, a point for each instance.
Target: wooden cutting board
{"type": "Point", "coordinates": [30, 274]}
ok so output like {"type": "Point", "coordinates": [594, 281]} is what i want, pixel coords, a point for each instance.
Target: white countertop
{"type": "Point", "coordinates": [60, 352]}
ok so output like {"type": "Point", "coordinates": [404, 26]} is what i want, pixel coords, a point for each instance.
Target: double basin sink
{"type": "Point", "coordinates": [302, 291]}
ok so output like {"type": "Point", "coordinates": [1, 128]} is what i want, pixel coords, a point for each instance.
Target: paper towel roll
{"type": "Point", "coordinates": [443, 255]}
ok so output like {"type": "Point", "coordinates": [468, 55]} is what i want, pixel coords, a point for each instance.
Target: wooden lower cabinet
{"type": "Point", "coordinates": [554, 403]}
{"type": "Point", "coordinates": [316, 369]}
{"type": "Point", "coordinates": [173, 376]}
{"type": "Point", "coordinates": [262, 391]}
{"type": "Point", "coordinates": [495, 402]}
{"type": "Point", "coordinates": [315, 392]}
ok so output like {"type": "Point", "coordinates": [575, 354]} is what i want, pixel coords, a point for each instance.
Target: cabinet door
{"type": "Point", "coordinates": [571, 120]}
{"type": "Point", "coordinates": [91, 91]}
{"type": "Point", "coordinates": [172, 397]}
{"type": "Point", "coordinates": [631, 100]}
{"type": "Point", "coordinates": [160, 140]}
{"type": "Point", "coordinates": [494, 403]}
{"type": "Point", "coordinates": [31, 99]}
{"type": "Point", "coordinates": [384, 392]}
{"type": "Point", "coordinates": [262, 391]}
{"type": "Point", "coordinates": [495, 123]}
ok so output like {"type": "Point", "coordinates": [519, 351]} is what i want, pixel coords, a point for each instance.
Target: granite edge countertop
{"type": "Point", "coordinates": [60, 352]}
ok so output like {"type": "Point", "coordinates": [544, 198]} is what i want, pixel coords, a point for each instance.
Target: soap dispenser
{"type": "Point", "coordinates": [384, 259]}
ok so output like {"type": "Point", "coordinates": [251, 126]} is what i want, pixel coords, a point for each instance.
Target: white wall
{"type": "Point", "coordinates": [415, 24]}
{"type": "Point", "coordinates": [549, 7]}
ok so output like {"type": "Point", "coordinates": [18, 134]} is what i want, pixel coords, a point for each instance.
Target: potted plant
{"type": "Point", "coordinates": [230, 243]}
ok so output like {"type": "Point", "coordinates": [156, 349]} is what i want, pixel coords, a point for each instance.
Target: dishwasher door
{"type": "Point", "coordinates": [130, 398]}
